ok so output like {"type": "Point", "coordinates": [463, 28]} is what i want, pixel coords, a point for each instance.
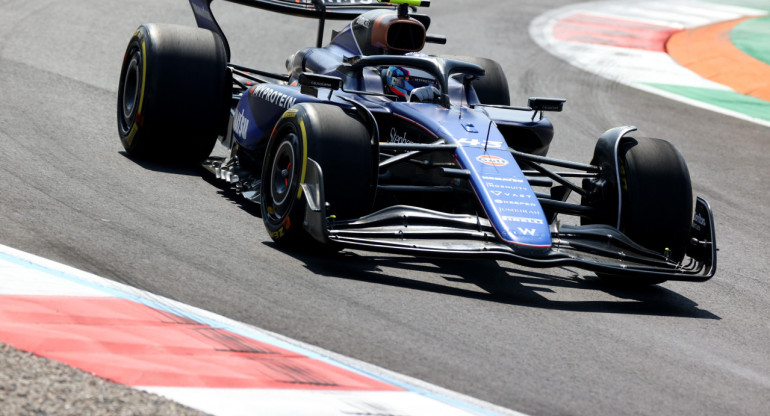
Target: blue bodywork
{"type": "Point", "coordinates": [447, 141]}
{"type": "Point", "coordinates": [504, 193]}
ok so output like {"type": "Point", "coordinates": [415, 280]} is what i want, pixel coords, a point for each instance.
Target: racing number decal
{"type": "Point", "coordinates": [491, 144]}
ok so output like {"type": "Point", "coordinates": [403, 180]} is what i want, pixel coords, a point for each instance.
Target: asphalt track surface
{"type": "Point", "coordinates": [538, 341]}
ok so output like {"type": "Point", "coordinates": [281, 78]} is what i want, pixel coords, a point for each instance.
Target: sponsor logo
{"type": "Point", "coordinates": [501, 179]}
{"type": "Point", "coordinates": [489, 144]}
{"type": "Point", "coordinates": [278, 234]}
{"type": "Point", "coordinates": [501, 201]}
{"type": "Point", "coordinates": [523, 219]}
{"type": "Point", "coordinates": [364, 22]}
{"type": "Point", "coordinates": [509, 194]}
{"type": "Point", "coordinates": [397, 138]}
{"type": "Point", "coordinates": [519, 211]}
{"type": "Point", "coordinates": [526, 204]}
{"type": "Point", "coordinates": [319, 83]}
{"type": "Point", "coordinates": [240, 124]}
{"type": "Point", "coordinates": [513, 188]}
{"type": "Point", "coordinates": [526, 231]}
{"type": "Point", "coordinates": [273, 97]}
{"type": "Point", "coordinates": [492, 160]}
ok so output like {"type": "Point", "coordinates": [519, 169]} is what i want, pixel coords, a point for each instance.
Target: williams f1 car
{"type": "Point", "coordinates": [368, 143]}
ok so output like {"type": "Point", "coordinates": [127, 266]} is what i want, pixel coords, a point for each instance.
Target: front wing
{"type": "Point", "coordinates": [597, 248]}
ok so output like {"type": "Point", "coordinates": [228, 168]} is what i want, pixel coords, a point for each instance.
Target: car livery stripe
{"type": "Point", "coordinates": [195, 357]}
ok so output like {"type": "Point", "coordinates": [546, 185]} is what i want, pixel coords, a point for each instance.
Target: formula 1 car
{"type": "Point", "coordinates": [367, 143]}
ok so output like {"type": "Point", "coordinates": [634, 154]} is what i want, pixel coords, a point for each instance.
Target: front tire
{"type": "Point", "coordinates": [656, 201]}
{"type": "Point", "coordinates": [341, 144]}
{"type": "Point", "coordinates": [173, 93]}
{"type": "Point", "coordinates": [492, 89]}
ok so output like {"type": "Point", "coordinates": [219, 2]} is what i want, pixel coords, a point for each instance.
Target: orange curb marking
{"type": "Point", "coordinates": [709, 52]}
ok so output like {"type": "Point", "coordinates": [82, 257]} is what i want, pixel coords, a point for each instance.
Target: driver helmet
{"type": "Point", "coordinates": [401, 81]}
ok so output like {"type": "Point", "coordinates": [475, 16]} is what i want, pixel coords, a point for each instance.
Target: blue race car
{"type": "Point", "coordinates": [367, 143]}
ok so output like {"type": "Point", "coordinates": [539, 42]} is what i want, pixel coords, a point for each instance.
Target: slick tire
{"type": "Point", "coordinates": [341, 144]}
{"type": "Point", "coordinates": [493, 87]}
{"type": "Point", "coordinates": [656, 198]}
{"type": "Point", "coordinates": [173, 93]}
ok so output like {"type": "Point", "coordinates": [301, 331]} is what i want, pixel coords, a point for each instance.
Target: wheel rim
{"type": "Point", "coordinates": [130, 91]}
{"type": "Point", "coordinates": [282, 174]}
{"type": "Point", "coordinates": [131, 87]}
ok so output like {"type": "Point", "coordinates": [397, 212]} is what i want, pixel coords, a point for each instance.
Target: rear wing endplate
{"type": "Point", "coordinates": [205, 20]}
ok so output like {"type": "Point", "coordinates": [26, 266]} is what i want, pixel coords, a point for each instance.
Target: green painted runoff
{"type": "Point", "coordinates": [729, 100]}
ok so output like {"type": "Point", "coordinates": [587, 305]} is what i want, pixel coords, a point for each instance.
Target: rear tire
{"type": "Point", "coordinates": [493, 87]}
{"type": "Point", "coordinates": [341, 144]}
{"type": "Point", "coordinates": [173, 93]}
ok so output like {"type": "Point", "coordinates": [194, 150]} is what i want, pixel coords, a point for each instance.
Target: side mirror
{"type": "Point", "coordinates": [539, 104]}
{"type": "Point", "coordinates": [310, 83]}
{"type": "Point", "coordinates": [546, 104]}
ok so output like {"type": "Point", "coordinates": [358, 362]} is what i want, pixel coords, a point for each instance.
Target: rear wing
{"type": "Point", "coordinates": [329, 9]}
{"type": "Point", "coordinates": [317, 9]}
